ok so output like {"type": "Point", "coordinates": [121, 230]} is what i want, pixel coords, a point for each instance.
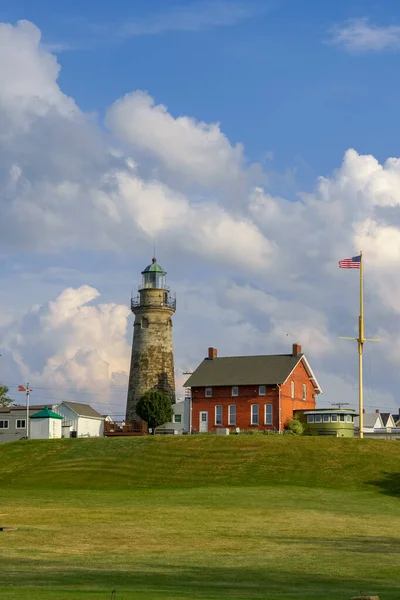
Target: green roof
{"type": "Point", "coordinates": [46, 413]}
{"type": "Point", "coordinates": [154, 268]}
{"type": "Point", "coordinates": [272, 369]}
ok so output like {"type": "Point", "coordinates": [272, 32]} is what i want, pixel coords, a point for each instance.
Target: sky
{"type": "Point", "coordinates": [254, 143]}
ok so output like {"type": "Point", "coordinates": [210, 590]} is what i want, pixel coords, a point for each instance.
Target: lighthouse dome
{"type": "Point", "coordinates": [154, 276]}
{"type": "Point", "coordinates": [154, 267]}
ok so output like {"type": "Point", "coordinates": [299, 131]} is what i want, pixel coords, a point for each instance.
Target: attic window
{"type": "Point", "coordinates": [208, 392]}
{"type": "Point", "coordinates": [292, 389]}
{"type": "Point", "coordinates": [262, 390]}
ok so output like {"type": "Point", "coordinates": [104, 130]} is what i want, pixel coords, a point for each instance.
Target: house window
{"type": "Point", "coordinates": [310, 418]}
{"type": "Point", "coordinates": [334, 418]}
{"type": "Point", "coordinates": [235, 390]}
{"type": "Point", "coordinates": [326, 418]}
{"type": "Point", "coordinates": [254, 414]}
{"type": "Point", "coordinates": [304, 391]}
{"type": "Point", "coordinates": [341, 418]}
{"type": "Point", "coordinates": [21, 423]}
{"type": "Point", "coordinates": [318, 418]}
{"type": "Point", "coordinates": [218, 414]}
{"type": "Point", "coordinates": [177, 419]}
{"type": "Point", "coordinates": [262, 390]}
{"type": "Point", "coordinates": [268, 414]}
{"type": "Point", "coordinates": [232, 414]}
{"type": "Point", "coordinates": [145, 323]}
{"type": "Point", "coordinates": [208, 392]}
{"type": "Point", "coordinates": [348, 419]}
{"type": "Point", "coordinates": [292, 389]}
{"type": "Point", "coordinates": [3, 424]}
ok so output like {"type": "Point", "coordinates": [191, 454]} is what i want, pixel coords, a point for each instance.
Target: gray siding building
{"type": "Point", "coordinates": [13, 421]}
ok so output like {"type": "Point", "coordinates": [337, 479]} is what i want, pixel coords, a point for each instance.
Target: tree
{"type": "Point", "coordinates": [155, 408]}
{"type": "Point", "coordinates": [4, 399]}
{"type": "Point", "coordinates": [294, 427]}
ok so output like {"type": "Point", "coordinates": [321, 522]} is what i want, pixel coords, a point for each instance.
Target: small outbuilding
{"type": "Point", "coordinates": [337, 422]}
{"type": "Point", "coordinates": [45, 425]}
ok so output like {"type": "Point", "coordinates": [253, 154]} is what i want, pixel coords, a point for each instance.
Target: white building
{"type": "Point", "coordinates": [45, 425]}
{"type": "Point", "coordinates": [181, 419]}
{"type": "Point", "coordinates": [80, 420]}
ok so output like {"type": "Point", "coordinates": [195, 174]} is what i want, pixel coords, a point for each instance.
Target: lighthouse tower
{"type": "Point", "coordinates": [152, 362]}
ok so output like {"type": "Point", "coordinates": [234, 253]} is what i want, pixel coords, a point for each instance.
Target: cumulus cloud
{"type": "Point", "coordinates": [196, 152]}
{"type": "Point", "coordinates": [260, 274]}
{"type": "Point", "coordinates": [360, 35]}
{"type": "Point", "coordinates": [71, 342]}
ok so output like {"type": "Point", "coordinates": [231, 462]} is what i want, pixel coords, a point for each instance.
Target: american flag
{"type": "Point", "coordinates": [350, 263]}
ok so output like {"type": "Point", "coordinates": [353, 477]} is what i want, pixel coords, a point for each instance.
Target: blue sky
{"type": "Point", "coordinates": [269, 77]}
{"type": "Point", "coordinates": [206, 127]}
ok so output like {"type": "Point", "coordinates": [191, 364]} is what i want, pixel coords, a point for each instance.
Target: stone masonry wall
{"type": "Point", "coordinates": [152, 362]}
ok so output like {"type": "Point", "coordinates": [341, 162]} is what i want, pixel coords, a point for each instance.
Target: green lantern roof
{"type": "Point", "coordinates": [46, 413]}
{"type": "Point", "coordinates": [154, 268]}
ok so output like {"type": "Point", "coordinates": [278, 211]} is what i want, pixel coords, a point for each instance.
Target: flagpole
{"type": "Point", "coordinates": [360, 350]}
{"type": "Point", "coordinates": [27, 411]}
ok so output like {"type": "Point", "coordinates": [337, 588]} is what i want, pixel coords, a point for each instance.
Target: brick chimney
{"type": "Point", "coordinates": [212, 353]}
{"type": "Point", "coordinates": [296, 349]}
{"type": "Point", "coordinates": [377, 410]}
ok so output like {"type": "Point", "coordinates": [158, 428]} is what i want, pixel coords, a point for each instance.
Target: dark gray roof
{"type": "Point", "coordinates": [385, 417]}
{"type": "Point", "coordinates": [244, 370]}
{"type": "Point", "coordinates": [83, 410]}
{"type": "Point", "coordinates": [17, 407]}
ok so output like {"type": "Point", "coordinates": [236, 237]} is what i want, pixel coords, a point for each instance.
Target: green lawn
{"type": "Point", "coordinates": [200, 517]}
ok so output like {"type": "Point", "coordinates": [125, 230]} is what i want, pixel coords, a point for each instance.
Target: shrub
{"type": "Point", "coordinates": [294, 427]}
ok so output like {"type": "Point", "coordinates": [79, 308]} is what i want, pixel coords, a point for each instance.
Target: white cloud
{"type": "Point", "coordinates": [197, 152]}
{"type": "Point", "coordinates": [359, 35]}
{"type": "Point", "coordinates": [259, 273]}
{"type": "Point", "coordinates": [71, 342]}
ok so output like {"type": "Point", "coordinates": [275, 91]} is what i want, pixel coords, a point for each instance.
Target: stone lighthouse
{"type": "Point", "coordinates": [152, 362]}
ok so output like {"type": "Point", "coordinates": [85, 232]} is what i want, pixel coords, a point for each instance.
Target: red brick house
{"type": "Point", "coordinates": [248, 392]}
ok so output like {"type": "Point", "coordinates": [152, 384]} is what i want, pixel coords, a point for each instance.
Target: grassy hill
{"type": "Point", "coordinates": [200, 517]}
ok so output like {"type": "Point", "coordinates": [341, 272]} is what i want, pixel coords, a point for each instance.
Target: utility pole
{"type": "Point", "coordinates": [27, 390]}
{"type": "Point", "coordinates": [340, 404]}
{"type": "Point", "coordinates": [188, 396]}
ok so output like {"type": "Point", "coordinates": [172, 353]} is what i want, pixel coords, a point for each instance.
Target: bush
{"type": "Point", "coordinates": [294, 427]}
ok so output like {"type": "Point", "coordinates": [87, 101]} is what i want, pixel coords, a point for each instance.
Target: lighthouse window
{"type": "Point", "coordinates": [145, 323]}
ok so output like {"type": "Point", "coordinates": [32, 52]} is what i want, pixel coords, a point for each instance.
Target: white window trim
{"type": "Point", "coordinates": [258, 414]}
{"type": "Point", "coordinates": [319, 417]}
{"type": "Point", "coordinates": [20, 427]}
{"type": "Point", "coordinates": [265, 414]}
{"type": "Point", "coordinates": [229, 414]}
{"type": "Point", "coordinates": [222, 414]}
{"type": "Point", "coordinates": [326, 418]}
{"type": "Point", "coordinates": [334, 420]}
{"type": "Point", "coordinates": [292, 390]}
{"type": "Point", "coordinates": [175, 421]}
{"type": "Point", "coordinates": [208, 389]}
{"type": "Point", "coordinates": [259, 390]}
{"type": "Point", "coordinates": [310, 419]}
{"type": "Point", "coordinates": [304, 391]}
{"type": "Point", "coordinates": [7, 423]}
{"type": "Point", "coordinates": [235, 387]}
